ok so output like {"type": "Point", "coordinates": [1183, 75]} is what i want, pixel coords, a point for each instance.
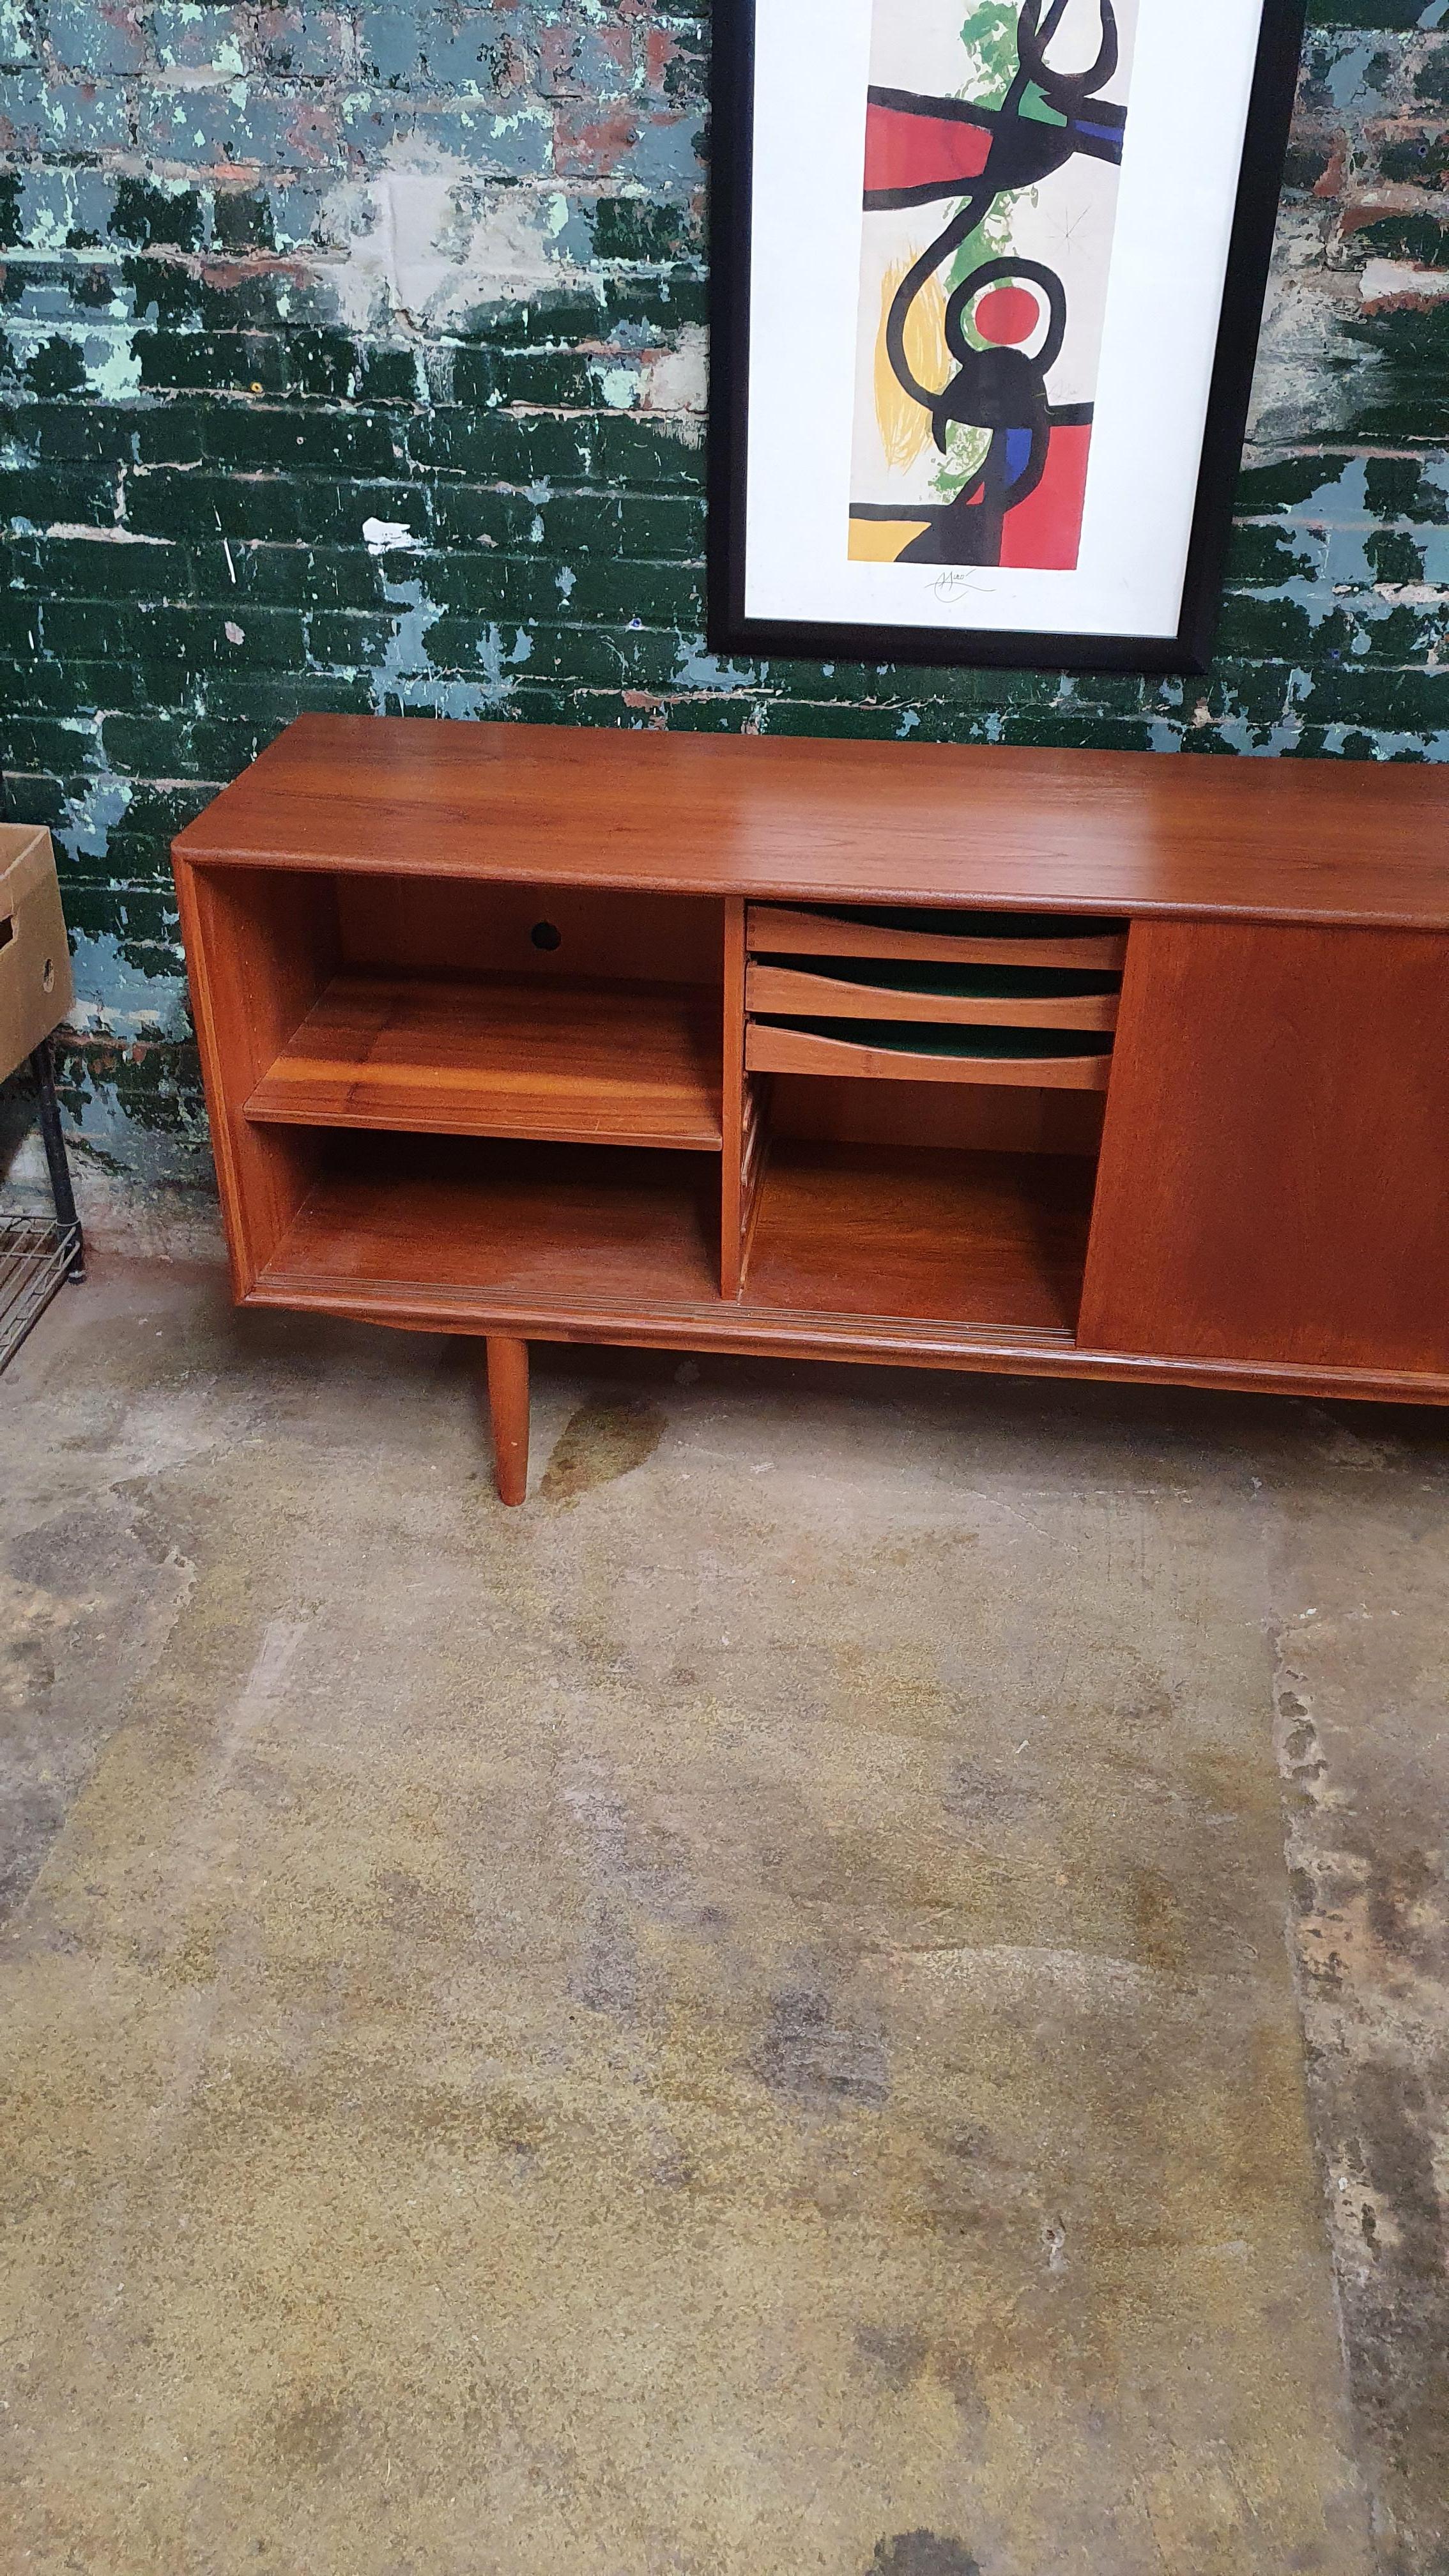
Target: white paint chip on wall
{"type": "Point", "coordinates": [388, 536]}
{"type": "Point", "coordinates": [425, 240]}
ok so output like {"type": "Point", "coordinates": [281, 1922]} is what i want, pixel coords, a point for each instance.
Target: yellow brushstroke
{"type": "Point", "coordinates": [882, 540]}
{"type": "Point", "coordinates": [904, 426]}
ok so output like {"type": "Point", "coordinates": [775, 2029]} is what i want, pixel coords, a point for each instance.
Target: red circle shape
{"type": "Point", "coordinates": [1007, 316]}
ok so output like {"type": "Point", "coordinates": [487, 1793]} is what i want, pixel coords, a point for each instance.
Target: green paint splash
{"type": "Point", "coordinates": [988, 37]}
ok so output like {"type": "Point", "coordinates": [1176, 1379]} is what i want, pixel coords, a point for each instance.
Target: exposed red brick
{"type": "Point", "coordinates": [1332, 182]}
{"type": "Point", "coordinates": [313, 131]}
{"type": "Point", "coordinates": [661, 48]}
{"type": "Point", "coordinates": [593, 149]}
{"type": "Point", "coordinates": [557, 53]}
{"type": "Point", "coordinates": [1372, 206]}
{"type": "Point", "coordinates": [617, 44]}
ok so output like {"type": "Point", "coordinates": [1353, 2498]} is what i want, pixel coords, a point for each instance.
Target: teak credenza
{"type": "Point", "coordinates": [1079, 1064]}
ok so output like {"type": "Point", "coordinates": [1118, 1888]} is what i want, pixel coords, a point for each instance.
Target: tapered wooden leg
{"type": "Point", "coordinates": [508, 1408]}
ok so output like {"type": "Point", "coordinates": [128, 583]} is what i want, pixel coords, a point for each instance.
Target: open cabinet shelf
{"type": "Point", "coordinates": [503, 1222]}
{"type": "Point", "coordinates": [961, 1243]}
{"type": "Point", "coordinates": [976, 1239]}
{"type": "Point", "coordinates": [428, 1113]}
{"type": "Point", "coordinates": [497, 1055]}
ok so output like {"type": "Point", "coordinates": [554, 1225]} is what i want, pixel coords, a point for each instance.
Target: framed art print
{"type": "Point", "coordinates": [987, 284]}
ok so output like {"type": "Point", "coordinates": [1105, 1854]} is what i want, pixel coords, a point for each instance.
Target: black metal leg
{"type": "Point", "coordinates": [43, 1068]}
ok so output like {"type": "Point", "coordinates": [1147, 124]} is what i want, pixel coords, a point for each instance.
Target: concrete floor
{"type": "Point", "coordinates": [861, 1987]}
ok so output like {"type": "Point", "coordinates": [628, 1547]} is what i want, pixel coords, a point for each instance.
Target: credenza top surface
{"type": "Point", "coordinates": [848, 822]}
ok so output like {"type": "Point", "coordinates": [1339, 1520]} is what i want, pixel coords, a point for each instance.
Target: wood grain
{"type": "Point", "coordinates": [508, 1414]}
{"type": "Point", "coordinates": [816, 821]}
{"type": "Point", "coordinates": [1274, 1179]}
{"type": "Point", "coordinates": [963, 1240]}
{"type": "Point", "coordinates": [569, 1244]}
{"type": "Point", "coordinates": [778, 932]}
{"type": "Point", "coordinates": [772, 1050]}
{"type": "Point", "coordinates": [981, 1239]}
{"type": "Point", "coordinates": [1273, 1208]}
{"type": "Point", "coordinates": [465, 926]}
{"type": "Point", "coordinates": [965, 1117]}
{"type": "Point", "coordinates": [497, 1056]}
{"type": "Point", "coordinates": [259, 948]}
{"type": "Point", "coordinates": [504, 1222]}
{"type": "Point", "coordinates": [783, 988]}
{"type": "Point", "coordinates": [744, 1136]}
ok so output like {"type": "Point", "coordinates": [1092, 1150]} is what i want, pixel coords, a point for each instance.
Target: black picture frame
{"type": "Point", "coordinates": [732, 632]}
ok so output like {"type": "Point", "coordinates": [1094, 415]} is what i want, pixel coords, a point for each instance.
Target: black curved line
{"type": "Point", "coordinates": [916, 279]}
{"type": "Point", "coordinates": [981, 199]}
{"type": "Point", "coordinates": [1065, 90]}
{"type": "Point", "coordinates": [881, 201]}
{"type": "Point", "coordinates": [986, 275]}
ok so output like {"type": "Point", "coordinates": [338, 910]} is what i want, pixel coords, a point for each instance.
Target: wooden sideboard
{"type": "Point", "coordinates": [1078, 1064]}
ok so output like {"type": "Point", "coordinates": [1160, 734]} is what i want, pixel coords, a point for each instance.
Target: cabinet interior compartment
{"type": "Point", "coordinates": [891, 995]}
{"type": "Point", "coordinates": [552, 1099]}
{"type": "Point", "coordinates": [922, 1201]}
{"type": "Point", "coordinates": [444, 1006]}
{"type": "Point", "coordinates": [922, 1099]}
{"type": "Point", "coordinates": [500, 1222]}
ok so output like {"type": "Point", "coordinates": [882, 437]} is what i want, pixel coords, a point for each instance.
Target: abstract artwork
{"type": "Point", "coordinates": [988, 277]}
{"type": "Point", "coordinates": [993, 152]}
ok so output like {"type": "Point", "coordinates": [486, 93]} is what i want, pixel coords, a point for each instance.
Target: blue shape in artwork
{"type": "Point", "coordinates": [1018, 454]}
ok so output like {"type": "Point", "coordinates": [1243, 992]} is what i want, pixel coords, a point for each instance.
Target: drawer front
{"type": "Point", "coordinates": [778, 931]}
{"type": "Point", "coordinates": [823, 996]}
{"type": "Point", "coordinates": [783, 1050]}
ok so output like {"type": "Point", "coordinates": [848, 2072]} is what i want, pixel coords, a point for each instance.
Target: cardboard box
{"type": "Point", "coordinates": [36, 990]}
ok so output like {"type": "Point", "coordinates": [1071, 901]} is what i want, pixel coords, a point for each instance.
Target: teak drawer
{"type": "Point", "coordinates": [775, 1050]}
{"type": "Point", "coordinates": [786, 988]}
{"type": "Point", "coordinates": [774, 930]}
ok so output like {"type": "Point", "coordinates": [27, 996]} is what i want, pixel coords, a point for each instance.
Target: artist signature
{"type": "Point", "coordinates": [953, 585]}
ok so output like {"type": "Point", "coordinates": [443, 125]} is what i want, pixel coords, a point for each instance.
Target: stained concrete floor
{"type": "Point", "coordinates": [861, 1987]}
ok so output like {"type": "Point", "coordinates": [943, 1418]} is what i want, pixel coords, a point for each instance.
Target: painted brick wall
{"type": "Point", "coordinates": [356, 358]}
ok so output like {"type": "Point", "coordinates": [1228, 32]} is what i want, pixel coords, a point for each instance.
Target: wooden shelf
{"type": "Point", "coordinates": [950, 938]}
{"type": "Point", "coordinates": [982, 997]}
{"type": "Point", "coordinates": [508, 1223]}
{"type": "Point", "coordinates": [978, 1239]}
{"type": "Point", "coordinates": [882, 1236]}
{"type": "Point", "coordinates": [770, 1048]}
{"type": "Point", "coordinates": [599, 1063]}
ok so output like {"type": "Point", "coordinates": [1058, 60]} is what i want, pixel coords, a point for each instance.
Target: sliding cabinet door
{"type": "Point", "coordinates": [1274, 1181]}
